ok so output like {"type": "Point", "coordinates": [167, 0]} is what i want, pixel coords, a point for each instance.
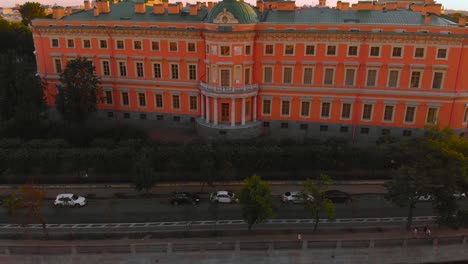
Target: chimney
{"type": "Point", "coordinates": [58, 12]}
{"type": "Point", "coordinates": [115, 1]}
{"type": "Point", "coordinates": [165, 3]}
{"type": "Point", "coordinates": [427, 20]}
{"type": "Point", "coordinates": [462, 21]}
{"type": "Point", "coordinates": [198, 5]}
{"type": "Point", "coordinates": [87, 5]}
{"type": "Point", "coordinates": [260, 6]}
{"type": "Point", "coordinates": [173, 9]}
{"type": "Point", "coordinates": [338, 5]}
{"type": "Point", "coordinates": [429, 1]}
{"type": "Point", "coordinates": [140, 7]}
{"type": "Point", "coordinates": [210, 6]}
{"type": "Point", "coordinates": [391, 5]}
{"type": "Point", "coordinates": [193, 10]}
{"type": "Point", "coordinates": [96, 11]}
{"type": "Point", "coordinates": [433, 9]}
{"type": "Point", "coordinates": [69, 10]}
{"type": "Point", "coordinates": [103, 5]}
{"type": "Point", "coordinates": [365, 5]}
{"type": "Point", "coordinates": [322, 3]}
{"type": "Point", "coordinates": [158, 9]}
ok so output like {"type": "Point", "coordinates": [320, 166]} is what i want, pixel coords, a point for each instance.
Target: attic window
{"type": "Point", "coordinates": [125, 18]}
{"type": "Point", "coordinates": [333, 29]}
{"type": "Point", "coordinates": [354, 30]}
{"type": "Point", "coordinates": [377, 30]}
{"type": "Point", "coordinates": [290, 29]}
{"type": "Point", "coordinates": [190, 28]}
{"type": "Point", "coordinates": [172, 27]}
{"type": "Point", "coordinates": [270, 29]}
{"type": "Point", "coordinates": [312, 29]}
{"type": "Point", "coordinates": [446, 32]}
{"type": "Point", "coordinates": [400, 31]}
{"type": "Point", "coordinates": [351, 20]}
{"type": "Point", "coordinates": [423, 31]}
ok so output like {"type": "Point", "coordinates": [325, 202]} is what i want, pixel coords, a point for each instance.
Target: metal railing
{"type": "Point", "coordinates": [229, 89]}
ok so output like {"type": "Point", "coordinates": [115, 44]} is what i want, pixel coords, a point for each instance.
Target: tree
{"type": "Point", "coordinates": [77, 97]}
{"type": "Point", "coordinates": [405, 187]}
{"type": "Point", "coordinates": [30, 11]}
{"type": "Point", "coordinates": [33, 200]}
{"type": "Point", "coordinates": [255, 200]}
{"type": "Point", "coordinates": [315, 200]}
{"type": "Point", "coordinates": [144, 177]}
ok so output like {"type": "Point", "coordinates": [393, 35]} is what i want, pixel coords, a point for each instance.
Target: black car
{"type": "Point", "coordinates": [184, 197]}
{"type": "Point", "coordinates": [337, 196]}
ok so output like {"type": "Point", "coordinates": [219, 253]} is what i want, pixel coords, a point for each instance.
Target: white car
{"type": "Point", "coordinates": [426, 197]}
{"type": "Point", "coordinates": [223, 197]}
{"type": "Point", "coordinates": [459, 196]}
{"type": "Point", "coordinates": [69, 199]}
{"type": "Point", "coordinates": [294, 197]}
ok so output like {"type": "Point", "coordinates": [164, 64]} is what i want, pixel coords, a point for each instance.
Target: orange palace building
{"type": "Point", "coordinates": [233, 70]}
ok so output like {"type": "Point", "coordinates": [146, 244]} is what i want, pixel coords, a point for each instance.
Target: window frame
{"type": "Point", "coordinates": [397, 79]}
{"type": "Point", "coordinates": [301, 113]}
{"type": "Point", "coordinates": [346, 76]}
{"type": "Point", "coordinates": [376, 81]}
{"type": "Point", "coordinates": [312, 68]}
{"type": "Point", "coordinates": [226, 47]}
{"type": "Point", "coordinates": [155, 71]}
{"type": "Point", "coordinates": [269, 106]}
{"type": "Point", "coordinates": [289, 50]}
{"type": "Point", "coordinates": [170, 46]}
{"type": "Point", "coordinates": [139, 100]}
{"type": "Point", "coordinates": [153, 45]}
{"type": "Point", "coordinates": [328, 51]}
{"type": "Point", "coordinates": [248, 50]}
{"type": "Point", "coordinates": [73, 44]}
{"type": "Point", "coordinates": [174, 70]}
{"type": "Point", "coordinates": [122, 98]}
{"type": "Point", "coordinates": [175, 104]}
{"type": "Point", "coordinates": [139, 72]}
{"type": "Point", "coordinates": [105, 68]}
{"type": "Point", "coordinates": [446, 54]}
{"type": "Point", "coordinates": [105, 42]}
{"type": "Point", "coordinates": [401, 51]}
{"type": "Point", "coordinates": [108, 101]}
{"type": "Point", "coordinates": [282, 108]}
{"type": "Point", "coordinates": [135, 46]}
{"type": "Point", "coordinates": [306, 53]}
{"type": "Point", "coordinates": [328, 116]}
{"type": "Point", "coordinates": [117, 42]}
{"type": "Point", "coordinates": [419, 80]}
{"type": "Point", "coordinates": [442, 79]}
{"type": "Point", "coordinates": [413, 119]}
{"type": "Point", "coordinates": [364, 112]}
{"type": "Point", "coordinates": [333, 69]}
{"type": "Point", "coordinates": [195, 97]}
{"type": "Point", "coordinates": [189, 43]}
{"type": "Point", "coordinates": [436, 115]}
{"type": "Point", "coordinates": [189, 72]}
{"type": "Point", "coordinates": [271, 74]}
{"type": "Point", "coordinates": [83, 41]}
{"type": "Point", "coordinates": [284, 75]}
{"type": "Point", "coordinates": [416, 54]}
{"type": "Point", "coordinates": [266, 49]}
{"type": "Point", "coordinates": [58, 62]}
{"type": "Point", "coordinates": [52, 43]}
{"type": "Point", "coordinates": [343, 109]}
{"type": "Point", "coordinates": [371, 54]}
{"type": "Point", "coordinates": [392, 114]}
{"type": "Point", "coordinates": [156, 100]}
{"type": "Point", "coordinates": [349, 49]}
{"type": "Point", "coordinates": [122, 65]}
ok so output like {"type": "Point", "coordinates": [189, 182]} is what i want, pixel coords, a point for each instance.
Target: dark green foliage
{"type": "Point", "coordinates": [144, 177]}
{"type": "Point", "coordinates": [256, 201]}
{"type": "Point", "coordinates": [78, 94]}
{"type": "Point", "coordinates": [17, 38]}
{"type": "Point", "coordinates": [315, 200]}
{"type": "Point", "coordinates": [30, 11]}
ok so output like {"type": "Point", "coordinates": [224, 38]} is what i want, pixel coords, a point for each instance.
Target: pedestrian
{"type": "Point", "coordinates": [428, 232]}
{"type": "Point", "coordinates": [415, 232]}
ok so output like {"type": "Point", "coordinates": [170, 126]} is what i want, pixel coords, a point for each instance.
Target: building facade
{"type": "Point", "coordinates": [233, 70]}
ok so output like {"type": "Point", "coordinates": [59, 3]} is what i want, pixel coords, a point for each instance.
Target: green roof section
{"type": "Point", "coordinates": [243, 12]}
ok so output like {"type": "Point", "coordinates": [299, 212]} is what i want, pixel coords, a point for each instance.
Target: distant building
{"type": "Point", "coordinates": [232, 70]}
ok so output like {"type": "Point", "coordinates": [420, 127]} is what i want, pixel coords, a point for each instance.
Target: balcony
{"type": "Point", "coordinates": [229, 89]}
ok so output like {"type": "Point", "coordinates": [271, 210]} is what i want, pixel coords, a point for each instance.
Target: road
{"type": "Point", "coordinates": [137, 210]}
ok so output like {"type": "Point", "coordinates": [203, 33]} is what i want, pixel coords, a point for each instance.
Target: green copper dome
{"type": "Point", "coordinates": [232, 12]}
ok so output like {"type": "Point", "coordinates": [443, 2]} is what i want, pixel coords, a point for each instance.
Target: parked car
{"type": "Point", "coordinates": [69, 199]}
{"type": "Point", "coordinates": [424, 197]}
{"type": "Point", "coordinates": [294, 197]}
{"type": "Point", "coordinates": [459, 195]}
{"type": "Point", "coordinates": [223, 197]}
{"type": "Point", "coordinates": [337, 196]}
{"type": "Point", "coordinates": [184, 197]}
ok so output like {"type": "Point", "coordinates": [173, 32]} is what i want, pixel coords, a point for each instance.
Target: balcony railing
{"type": "Point", "coordinates": [229, 89]}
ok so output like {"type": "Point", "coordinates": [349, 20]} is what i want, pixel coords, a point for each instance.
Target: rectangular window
{"type": "Point", "coordinates": [397, 52]}
{"type": "Point", "coordinates": [175, 102]}
{"type": "Point", "coordinates": [225, 79]}
{"type": "Point", "coordinates": [159, 100]}
{"type": "Point", "coordinates": [266, 124]}
{"type": "Point", "coordinates": [352, 51]}
{"type": "Point", "coordinates": [393, 78]}
{"type": "Point", "coordinates": [329, 76]}
{"type": "Point", "coordinates": [410, 114]}
{"type": "Point", "coordinates": [105, 68]}
{"type": "Point", "coordinates": [137, 45]}
{"type": "Point", "coordinates": [247, 76]}
{"type": "Point", "coordinates": [192, 72]}
{"type": "Point", "coordinates": [388, 113]}
{"type": "Point", "coordinates": [120, 44]}
{"type": "Point", "coordinates": [157, 70]}
{"type": "Point", "coordinates": [225, 50]}
{"type": "Point", "coordinates": [284, 125]}
{"type": "Point", "coordinates": [415, 79]}
{"type": "Point", "coordinates": [266, 107]}
{"type": "Point", "coordinates": [122, 68]}
{"type": "Point", "coordinates": [103, 43]}
{"type": "Point", "coordinates": [70, 43]}
{"type": "Point", "coordinates": [367, 112]}
{"type": "Point", "coordinates": [371, 77]}
{"type": "Point", "coordinates": [432, 115]}
{"type": "Point", "coordinates": [287, 75]}
{"type": "Point", "coordinates": [248, 50]}
{"type": "Point", "coordinates": [55, 43]}
{"type": "Point", "coordinates": [173, 47]}
{"type": "Point", "coordinates": [441, 53]}
{"type": "Point", "coordinates": [437, 80]}
{"type": "Point", "coordinates": [305, 109]}
{"type": "Point", "coordinates": [143, 116]}
{"type": "Point", "coordinates": [325, 110]}
{"type": "Point", "coordinates": [364, 130]}
{"type": "Point", "coordinates": [346, 111]}
{"type": "Point", "coordinates": [308, 75]}
{"type": "Point", "coordinates": [331, 50]}
{"type": "Point", "coordinates": [349, 77]}
{"type": "Point", "coordinates": [375, 51]}
{"type": "Point", "coordinates": [269, 49]}
{"type": "Point", "coordinates": [310, 50]}
{"type": "Point", "coordinates": [155, 45]}
{"type": "Point", "coordinates": [285, 105]}
{"type": "Point", "coordinates": [267, 74]}
{"type": "Point", "coordinates": [191, 47]}
{"type": "Point", "coordinates": [58, 65]}
{"type": "Point", "coordinates": [175, 71]}
{"type": "Point", "coordinates": [126, 115]}
{"type": "Point", "coordinates": [86, 43]}
{"type": "Point", "coordinates": [344, 129]}
{"type": "Point", "coordinates": [140, 69]}
{"type": "Point", "coordinates": [465, 116]}
{"type": "Point", "coordinates": [109, 100]}
{"type": "Point", "coordinates": [125, 99]}
{"type": "Point", "coordinates": [303, 126]}
{"type": "Point", "coordinates": [193, 103]}
{"type": "Point", "coordinates": [141, 99]}
{"type": "Point", "coordinates": [419, 52]}
{"type": "Point", "coordinates": [289, 49]}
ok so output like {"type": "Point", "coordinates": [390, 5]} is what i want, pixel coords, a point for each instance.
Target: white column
{"type": "Point", "coordinates": [215, 110]}
{"type": "Point", "coordinates": [243, 111]}
{"type": "Point", "coordinates": [202, 100]}
{"type": "Point", "coordinates": [233, 112]}
{"type": "Point", "coordinates": [207, 109]}
{"type": "Point", "coordinates": [255, 109]}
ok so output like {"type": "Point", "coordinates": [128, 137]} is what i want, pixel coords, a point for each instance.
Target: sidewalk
{"type": "Point", "coordinates": [110, 190]}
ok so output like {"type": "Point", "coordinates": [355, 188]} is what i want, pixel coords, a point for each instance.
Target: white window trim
{"type": "Point", "coordinates": [350, 111]}
{"type": "Point", "coordinates": [393, 113]}
{"type": "Point", "coordinates": [138, 100]}
{"type": "Point", "coordinates": [250, 74]}
{"type": "Point", "coordinates": [446, 54]}
{"type": "Point", "coordinates": [118, 68]}
{"type": "Point", "coordinates": [352, 56]}
{"type": "Point", "coordinates": [245, 50]}
{"type": "Point", "coordinates": [172, 102]}
{"type": "Point", "coordinates": [55, 65]}
{"type": "Point", "coordinates": [169, 46]}
{"type": "Point", "coordinates": [354, 76]}
{"type": "Point", "coordinates": [99, 43]}
{"type": "Point", "coordinates": [272, 73]}
{"type": "Point", "coordinates": [151, 44]}
{"type": "Point", "coordinates": [153, 71]}
{"type": "Point", "coordinates": [289, 108]}
{"type": "Point", "coordinates": [51, 43]}
{"type": "Point", "coordinates": [263, 107]}
{"type": "Point", "coordinates": [333, 75]}
{"type": "Point", "coordinates": [187, 46]}
{"type": "Point", "coordinates": [305, 49]}
{"type": "Point", "coordinates": [219, 74]}
{"type": "Point", "coordinates": [294, 49]}
{"type": "Point", "coordinates": [336, 50]}
{"type": "Point", "coordinates": [133, 44]}
{"type": "Point", "coordinates": [196, 99]}
{"type": "Point", "coordinates": [136, 69]}
{"type": "Point", "coordinates": [398, 79]}
{"type": "Point", "coordinates": [402, 51]}
{"type": "Point", "coordinates": [308, 112]}
{"type": "Point", "coordinates": [375, 46]}
{"type": "Point", "coordinates": [371, 114]}
{"type": "Point", "coordinates": [292, 74]}
{"type": "Point", "coordinates": [414, 116]}
{"type": "Point", "coordinates": [170, 71]}
{"type": "Point", "coordinates": [436, 115]}
{"type": "Point", "coordinates": [156, 101]}
{"type": "Point", "coordinates": [230, 50]}
{"type": "Point", "coordinates": [377, 71]}
{"type": "Point", "coordinates": [442, 81]}
{"type": "Point", "coordinates": [117, 46]}
{"type": "Point", "coordinates": [102, 68]}
{"type": "Point", "coordinates": [465, 113]}
{"type": "Point", "coordinates": [424, 53]}
{"type": "Point", "coordinates": [112, 96]}
{"type": "Point", "coordinates": [122, 101]}
{"type": "Point", "coordinates": [74, 43]}
{"type": "Point", "coordinates": [265, 47]}
{"type": "Point", "coordinates": [303, 75]}
{"type": "Point", "coordinates": [420, 78]}
{"type": "Point", "coordinates": [329, 110]}
{"type": "Point", "coordinates": [188, 71]}
{"type": "Point", "coordinates": [90, 43]}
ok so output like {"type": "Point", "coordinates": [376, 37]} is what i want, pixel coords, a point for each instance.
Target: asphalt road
{"type": "Point", "coordinates": [159, 210]}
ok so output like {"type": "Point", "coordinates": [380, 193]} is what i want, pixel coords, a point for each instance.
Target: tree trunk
{"type": "Point", "coordinates": [316, 221]}
{"type": "Point", "coordinates": [410, 217]}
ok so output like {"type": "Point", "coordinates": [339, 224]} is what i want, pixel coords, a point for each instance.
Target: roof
{"type": "Point", "coordinates": [243, 12]}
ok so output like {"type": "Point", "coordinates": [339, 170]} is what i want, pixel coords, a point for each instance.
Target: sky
{"type": "Point", "coordinates": [448, 4]}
